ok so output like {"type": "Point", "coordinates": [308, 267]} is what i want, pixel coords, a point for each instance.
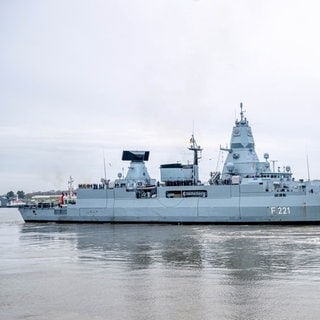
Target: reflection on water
{"type": "Point", "coordinates": [160, 271]}
{"type": "Point", "coordinates": [248, 252]}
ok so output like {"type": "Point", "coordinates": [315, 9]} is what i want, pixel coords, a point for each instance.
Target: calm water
{"type": "Point", "coordinates": [70, 271]}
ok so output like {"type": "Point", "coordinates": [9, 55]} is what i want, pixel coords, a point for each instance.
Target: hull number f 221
{"type": "Point", "coordinates": [280, 210]}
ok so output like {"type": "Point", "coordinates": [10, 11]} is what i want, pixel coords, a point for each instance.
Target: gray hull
{"type": "Point", "coordinates": [240, 206]}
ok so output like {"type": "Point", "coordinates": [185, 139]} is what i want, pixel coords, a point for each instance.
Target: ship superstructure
{"type": "Point", "coordinates": [242, 158]}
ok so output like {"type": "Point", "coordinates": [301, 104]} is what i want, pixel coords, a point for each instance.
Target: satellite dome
{"type": "Point", "coordinates": [230, 166]}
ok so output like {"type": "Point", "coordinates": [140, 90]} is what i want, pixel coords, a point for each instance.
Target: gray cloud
{"type": "Point", "coordinates": [80, 80]}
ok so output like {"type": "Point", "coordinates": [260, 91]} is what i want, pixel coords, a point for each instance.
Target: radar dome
{"type": "Point", "coordinates": [230, 166]}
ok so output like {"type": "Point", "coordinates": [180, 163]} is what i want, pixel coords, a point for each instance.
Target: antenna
{"type": "Point", "coordinates": [308, 168]}
{"type": "Point", "coordinates": [273, 165]}
{"type": "Point", "coordinates": [241, 112]}
{"type": "Point", "coordinates": [104, 167]}
{"type": "Point", "coordinates": [220, 156]}
{"type": "Point", "coordinates": [70, 186]}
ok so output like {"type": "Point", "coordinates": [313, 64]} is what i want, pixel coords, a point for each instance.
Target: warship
{"type": "Point", "coordinates": [246, 191]}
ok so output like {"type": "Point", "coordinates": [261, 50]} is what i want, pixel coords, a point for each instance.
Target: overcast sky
{"type": "Point", "coordinates": [81, 81]}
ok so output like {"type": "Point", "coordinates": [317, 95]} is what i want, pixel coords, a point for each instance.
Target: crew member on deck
{"type": "Point", "coordinates": [61, 201]}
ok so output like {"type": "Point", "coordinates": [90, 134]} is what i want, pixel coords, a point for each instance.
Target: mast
{"type": "Point", "coordinates": [241, 112]}
{"type": "Point", "coordinates": [70, 186]}
{"type": "Point", "coordinates": [195, 148]}
{"type": "Point", "coordinates": [308, 168]}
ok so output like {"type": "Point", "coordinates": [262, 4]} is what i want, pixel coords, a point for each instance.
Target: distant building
{"type": "Point", "coordinates": [3, 202]}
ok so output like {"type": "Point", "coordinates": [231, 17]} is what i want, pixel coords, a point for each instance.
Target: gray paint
{"type": "Point", "coordinates": [247, 192]}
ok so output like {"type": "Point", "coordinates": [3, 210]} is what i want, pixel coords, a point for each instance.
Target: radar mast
{"type": "Point", "coordinates": [196, 149]}
{"type": "Point", "coordinates": [241, 111]}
